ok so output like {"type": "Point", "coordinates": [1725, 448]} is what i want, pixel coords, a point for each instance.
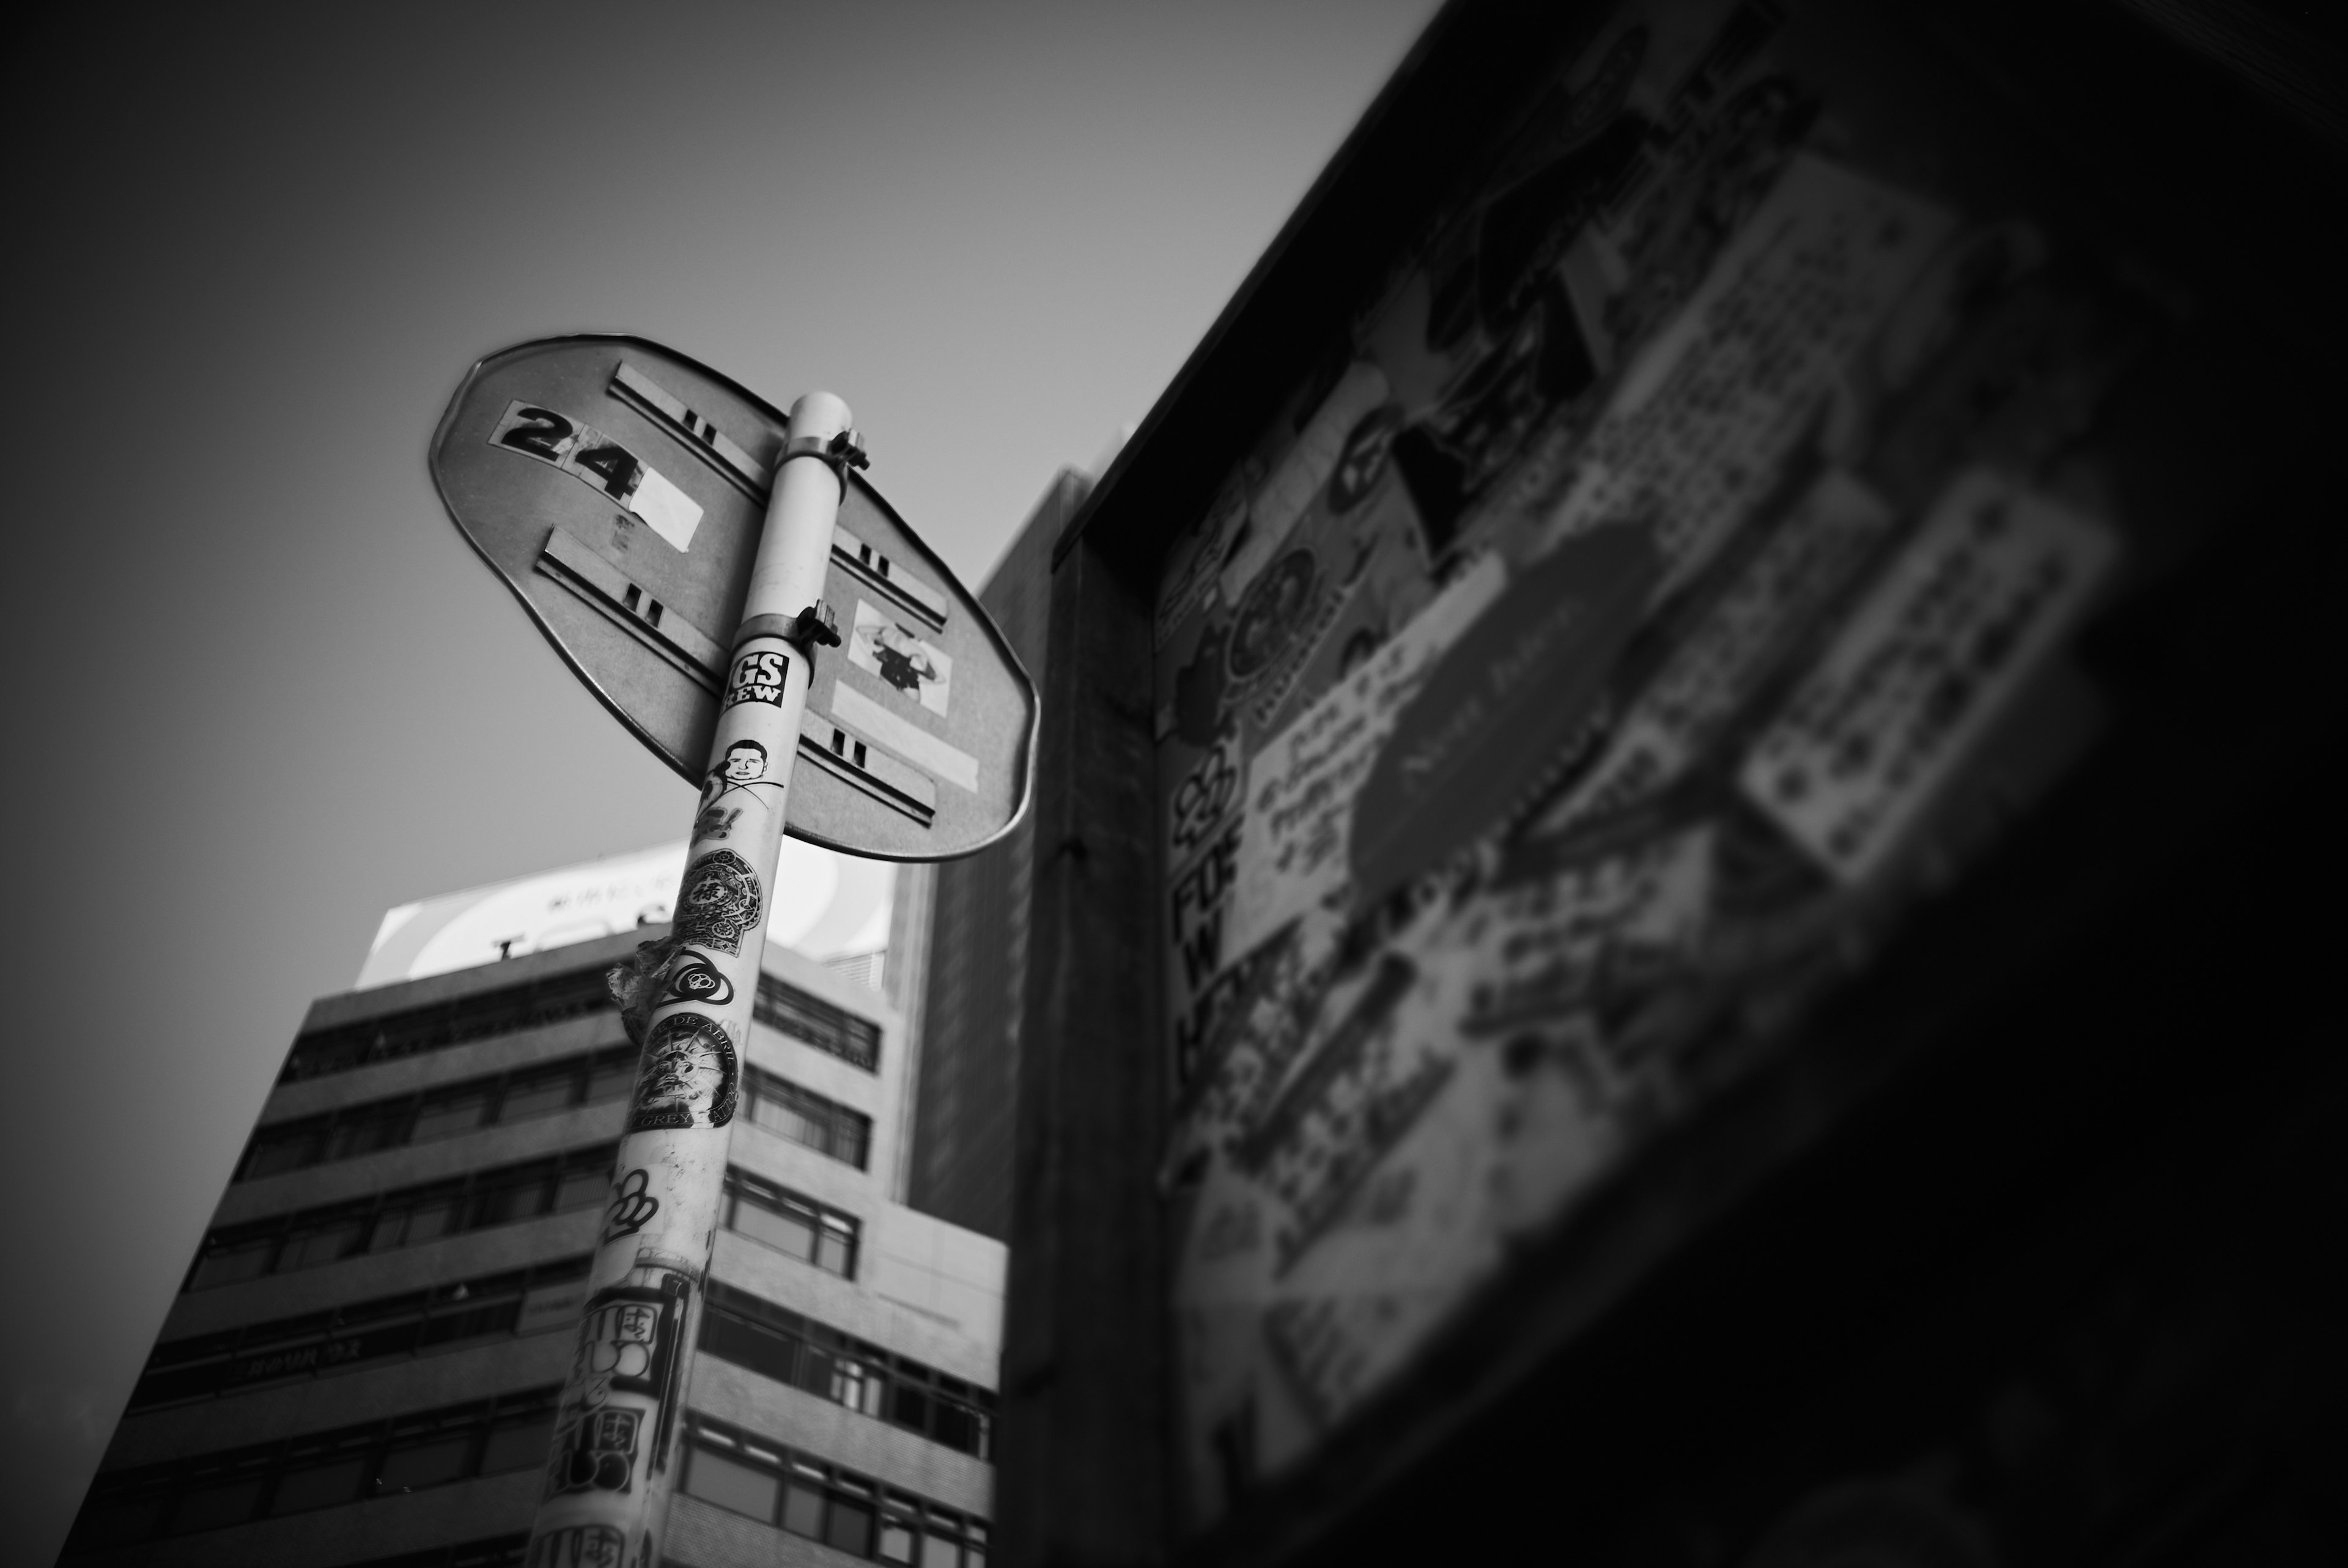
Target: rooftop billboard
{"type": "Point", "coordinates": [825, 905]}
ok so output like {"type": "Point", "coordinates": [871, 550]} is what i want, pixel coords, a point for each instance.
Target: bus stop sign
{"type": "Point", "coordinates": [618, 488]}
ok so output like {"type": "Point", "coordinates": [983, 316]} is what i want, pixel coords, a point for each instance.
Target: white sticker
{"type": "Point", "coordinates": [666, 509]}
{"type": "Point", "coordinates": [903, 662]}
{"type": "Point", "coordinates": [918, 746]}
{"type": "Point", "coordinates": [1939, 645]}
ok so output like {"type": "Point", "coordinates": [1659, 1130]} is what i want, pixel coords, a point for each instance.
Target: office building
{"type": "Point", "coordinates": [959, 945]}
{"type": "Point", "coordinates": [364, 1362]}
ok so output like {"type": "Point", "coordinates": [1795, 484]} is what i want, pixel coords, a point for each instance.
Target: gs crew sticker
{"type": "Point", "coordinates": [758, 678]}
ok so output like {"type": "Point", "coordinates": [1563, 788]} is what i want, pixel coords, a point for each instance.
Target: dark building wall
{"type": "Point", "coordinates": [1999, 1254]}
{"type": "Point", "coordinates": [969, 1015]}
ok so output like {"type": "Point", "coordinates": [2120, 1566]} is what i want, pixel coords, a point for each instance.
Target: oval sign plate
{"type": "Point", "coordinates": [620, 488]}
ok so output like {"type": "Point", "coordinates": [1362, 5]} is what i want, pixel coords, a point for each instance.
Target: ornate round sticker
{"type": "Point", "coordinates": [689, 1069]}
{"type": "Point", "coordinates": [1270, 614]}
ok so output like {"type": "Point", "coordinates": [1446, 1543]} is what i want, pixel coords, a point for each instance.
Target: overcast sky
{"type": "Point", "coordinates": [262, 690]}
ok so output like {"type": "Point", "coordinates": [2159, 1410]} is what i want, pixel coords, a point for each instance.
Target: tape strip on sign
{"type": "Point", "coordinates": [705, 441]}
{"type": "Point", "coordinates": [859, 711]}
{"type": "Point", "coordinates": [868, 768]}
{"type": "Point", "coordinates": [877, 572]}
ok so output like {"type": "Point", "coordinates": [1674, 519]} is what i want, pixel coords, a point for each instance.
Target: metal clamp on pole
{"type": "Point", "coordinates": [815, 626]}
{"type": "Point", "coordinates": [839, 453]}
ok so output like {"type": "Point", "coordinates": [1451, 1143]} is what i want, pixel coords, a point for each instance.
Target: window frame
{"type": "Point", "coordinates": [775, 1342]}
{"type": "Point", "coordinates": [344, 1133]}
{"type": "Point", "coordinates": [822, 1220]}
{"type": "Point", "coordinates": [841, 1132]}
{"type": "Point", "coordinates": [510, 1010]}
{"type": "Point", "coordinates": [837, 1488]}
{"type": "Point", "coordinates": [166, 1491]}
{"type": "Point", "coordinates": [383, 1221]}
{"type": "Point", "coordinates": [813, 1022]}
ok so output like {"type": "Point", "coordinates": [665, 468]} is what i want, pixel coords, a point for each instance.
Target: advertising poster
{"type": "Point", "coordinates": [1576, 671]}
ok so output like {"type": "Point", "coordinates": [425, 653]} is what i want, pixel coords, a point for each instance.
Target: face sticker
{"type": "Point", "coordinates": [720, 904]}
{"type": "Point", "coordinates": [743, 770]}
{"type": "Point", "coordinates": [689, 1069]}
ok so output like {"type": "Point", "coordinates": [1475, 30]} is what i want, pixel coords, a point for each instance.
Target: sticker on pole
{"type": "Point", "coordinates": [620, 489]}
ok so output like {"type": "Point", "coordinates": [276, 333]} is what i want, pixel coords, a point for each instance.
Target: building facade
{"type": "Point", "coordinates": [962, 929]}
{"type": "Point", "coordinates": [364, 1362]}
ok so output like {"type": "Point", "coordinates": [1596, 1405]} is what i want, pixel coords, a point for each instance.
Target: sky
{"type": "Point", "coordinates": [262, 690]}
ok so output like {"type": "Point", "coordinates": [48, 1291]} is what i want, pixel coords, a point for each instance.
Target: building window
{"type": "Point", "coordinates": [507, 1011]}
{"type": "Point", "coordinates": [539, 1090]}
{"type": "Point", "coordinates": [809, 1231]}
{"type": "Point", "coordinates": [415, 1323]}
{"type": "Point", "coordinates": [806, 1117]}
{"type": "Point", "coordinates": [809, 1496]}
{"type": "Point", "coordinates": [322, 1470]}
{"type": "Point", "coordinates": [814, 1022]}
{"type": "Point", "coordinates": [406, 1217]}
{"type": "Point", "coordinates": [778, 1343]}
{"type": "Point", "coordinates": [729, 1483]}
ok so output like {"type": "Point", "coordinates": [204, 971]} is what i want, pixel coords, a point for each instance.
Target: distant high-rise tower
{"type": "Point", "coordinates": [958, 947]}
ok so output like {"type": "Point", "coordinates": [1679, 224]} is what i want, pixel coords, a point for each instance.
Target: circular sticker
{"type": "Point", "coordinates": [689, 1076]}
{"type": "Point", "coordinates": [1271, 613]}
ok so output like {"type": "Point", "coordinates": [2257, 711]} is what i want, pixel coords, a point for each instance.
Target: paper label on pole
{"type": "Point", "coordinates": [903, 662]}
{"type": "Point", "coordinates": [916, 745]}
{"type": "Point", "coordinates": [1941, 644]}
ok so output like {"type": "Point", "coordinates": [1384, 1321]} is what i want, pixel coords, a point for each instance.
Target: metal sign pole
{"type": "Point", "coordinates": [618, 1442]}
